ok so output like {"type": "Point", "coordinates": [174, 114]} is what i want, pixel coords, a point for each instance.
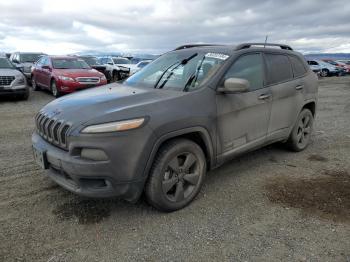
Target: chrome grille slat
{"type": "Point", "coordinates": [88, 80]}
{"type": "Point", "coordinates": [6, 80]}
{"type": "Point", "coordinates": [52, 129]}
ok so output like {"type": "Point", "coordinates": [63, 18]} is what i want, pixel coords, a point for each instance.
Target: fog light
{"type": "Point", "coordinates": [93, 154]}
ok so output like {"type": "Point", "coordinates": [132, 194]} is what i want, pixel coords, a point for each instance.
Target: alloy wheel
{"type": "Point", "coordinates": [304, 130]}
{"type": "Point", "coordinates": [181, 177]}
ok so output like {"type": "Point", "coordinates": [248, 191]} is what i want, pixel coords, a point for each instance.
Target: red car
{"type": "Point", "coordinates": [64, 74]}
{"type": "Point", "coordinates": [339, 64]}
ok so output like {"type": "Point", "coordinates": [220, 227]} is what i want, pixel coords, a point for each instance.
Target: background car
{"type": "Point", "coordinates": [12, 81]}
{"type": "Point", "coordinates": [117, 67]}
{"type": "Point", "coordinates": [65, 74]}
{"type": "Point", "coordinates": [95, 64]}
{"type": "Point", "coordinates": [345, 66]}
{"type": "Point", "coordinates": [139, 66]}
{"type": "Point", "coordinates": [25, 60]}
{"type": "Point", "coordinates": [341, 69]}
{"type": "Point", "coordinates": [326, 68]}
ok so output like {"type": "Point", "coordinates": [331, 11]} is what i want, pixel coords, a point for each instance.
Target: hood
{"type": "Point", "coordinates": [10, 72]}
{"type": "Point", "coordinates": [78, 72]}
{"type": "Point", "coordinates": [111, 102]}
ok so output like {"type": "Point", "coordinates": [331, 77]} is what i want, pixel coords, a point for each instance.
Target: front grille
{"type": "Point", "coordinates": [88, 80]}
{"type": "Point", "coordinates": [52, 130]}
{"type": "Point", "coordinates": [6, 80]}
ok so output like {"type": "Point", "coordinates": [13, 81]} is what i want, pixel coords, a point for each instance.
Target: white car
{"type": "Point", "coordinates": [324, 68]}
{"type": "Point", "coordinates": [137, 67]}
{"type": "Point", "coordinates": [117, 66]}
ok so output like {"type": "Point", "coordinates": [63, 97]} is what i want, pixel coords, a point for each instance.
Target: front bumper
{"type": "Point", "coordinates": [69, 87]}
{"type": "Point", "coordinates": [19, 90]}
{"type": "Point", "coordinates": [121, 175]}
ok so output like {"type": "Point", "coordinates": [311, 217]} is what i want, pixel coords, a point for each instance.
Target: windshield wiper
{"type": "Point", "coordinates": [194, 76]}
{"type": "Point", "coordinates": [175, 65]}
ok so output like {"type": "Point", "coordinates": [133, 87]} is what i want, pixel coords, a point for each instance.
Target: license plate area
{"type": "Point", "coordinates": [40, 157]}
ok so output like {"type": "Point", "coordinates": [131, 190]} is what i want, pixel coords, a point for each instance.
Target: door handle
{"type": "Point", "coordinates": [299, 87]}
{"type": "Point", "coordinates": [264, 96]}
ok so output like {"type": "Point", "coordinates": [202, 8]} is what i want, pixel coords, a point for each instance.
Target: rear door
{"type": "Point", "coordinates": [243, 117]}
{"type": "Point", "coordinates": [285, 79]}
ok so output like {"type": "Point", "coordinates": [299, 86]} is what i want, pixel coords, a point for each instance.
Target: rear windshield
{"type": "Point", "coordinates": [31, 58]}
{"type": "Point", "coordinates": [62, 63]}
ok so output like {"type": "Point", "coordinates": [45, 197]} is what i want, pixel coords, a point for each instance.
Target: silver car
{"type": "Point", "coordinates": [12, 81]}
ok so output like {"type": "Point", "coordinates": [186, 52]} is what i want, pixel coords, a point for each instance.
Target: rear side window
{"type": "Point", "coordinates": [249, 67]}
{"type": "Point", "coordinates": [298, 66]}
{"type": "Point", "coordinates": [278, 68]}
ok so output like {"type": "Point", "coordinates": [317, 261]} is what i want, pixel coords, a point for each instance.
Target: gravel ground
{"type": "Point", "coordinates": [267, 205]}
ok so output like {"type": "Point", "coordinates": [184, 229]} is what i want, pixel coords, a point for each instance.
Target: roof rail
{"type": "Point", "coordinates": [248, 45]}
{"type": "Point", "coordinates": [193, 45]}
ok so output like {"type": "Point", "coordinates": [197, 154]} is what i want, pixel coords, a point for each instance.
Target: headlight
{"type": "Point", "coordinates": [66, 78]}
{"type": "Point", "coordinates": [20, 81]}
{"type": "Point", "coordinates": [114, 126]}
{"type": "Point", "coordinates": [103, 77]}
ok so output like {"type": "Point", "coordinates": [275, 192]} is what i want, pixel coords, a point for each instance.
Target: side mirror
{"type": "Point", "coordinates": [109, 63]}
{"type": "Point", "coordinates": [235, 85]}
{"type": "Point", "coordinates": [46, 67]}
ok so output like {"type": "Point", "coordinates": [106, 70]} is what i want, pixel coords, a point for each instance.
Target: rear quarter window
{"type": "Point", "coordinates": [298, 66]}
{"type": "Point", "coordinates": [279, 68]}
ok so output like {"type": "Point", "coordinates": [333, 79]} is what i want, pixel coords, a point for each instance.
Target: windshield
{"type": "Point", "coordinates": [91, 60]}
{"type": "Point", "coordinates": [31, 58]}
{"type": "Point", "coordinates": [5, 63]}
{"type": "Point", "coordinates": [121, 61]}
{"type": "Point", "coordinates": [69, 64]}
{"type": "Point", "coordinates": [181, 71]}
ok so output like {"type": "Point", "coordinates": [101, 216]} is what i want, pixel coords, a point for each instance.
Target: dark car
{"type": "Point", "coordinates": [95, 64]}
{"type": "Point", "coordinates": [189, 111]}
{"type": "Point", "coordinates": [64, 74]}
{"type": "Point", "coordinates": [25, 60]}
{"type": "Point", "coordinates": [12, 81]}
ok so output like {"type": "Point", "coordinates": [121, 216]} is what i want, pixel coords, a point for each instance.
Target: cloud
{"type": "Point", "coordinates": [60, 27]}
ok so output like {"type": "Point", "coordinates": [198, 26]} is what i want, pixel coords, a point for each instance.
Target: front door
{"type": "Point", "coordinates": [243, 118]}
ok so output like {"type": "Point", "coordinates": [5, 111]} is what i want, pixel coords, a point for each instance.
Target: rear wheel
{"type": "Point", "coordinates": [301, 133]}
{"type": "Point", "coordinates": [56, 93]}
{"type": "Point", "coordinates": [176, 176]}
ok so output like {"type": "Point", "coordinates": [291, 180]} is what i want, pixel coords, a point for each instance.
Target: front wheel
{"type": "Point", "coordinates": [324, 72]}
{"type": "Point", "coordinates": [301, 133]}
{"type": "Point", "coordinates": [56, 93]}
{"type": "Point", "coordinates": [176, 176]}
{"type": "Point", "coordinates": [35, 86]}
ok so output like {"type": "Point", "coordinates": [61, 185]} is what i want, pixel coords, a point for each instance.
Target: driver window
{"type": "Point", "coordinates": [249, 67]}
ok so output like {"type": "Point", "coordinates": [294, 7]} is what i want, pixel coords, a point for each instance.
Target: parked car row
{"type": "Point", "coordinates": [328, 67]}
{"type": "Point", "coordinates": [65, 74]}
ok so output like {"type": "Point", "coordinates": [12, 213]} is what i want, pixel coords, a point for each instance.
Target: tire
{"type": "Point", "coordinates": [324, 72]}
{"type": "Point", "coordinates": [172, 183]}
{"type": "Point", "coordinates": [56, 93]}
{"type": "Point", "coordinates": [25, 96]}
{"type": "Point", "coordinates": [301, 133]}
{"type": "Point", "coordinates": [115, 76]}
{"type": "Point", "coordinates": [35, 86]}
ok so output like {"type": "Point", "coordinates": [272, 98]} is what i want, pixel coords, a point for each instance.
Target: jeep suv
{"type": "Point", "coordinates": [189, 111]}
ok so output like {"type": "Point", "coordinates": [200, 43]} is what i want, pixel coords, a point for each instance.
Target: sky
{"type": "Point", "coordinates": [156, 26]}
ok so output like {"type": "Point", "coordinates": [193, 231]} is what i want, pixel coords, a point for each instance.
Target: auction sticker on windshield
{"type": "Point", "coordinates": [217, 56]}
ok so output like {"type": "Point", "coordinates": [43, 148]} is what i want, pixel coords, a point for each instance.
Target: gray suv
{"type": "Point", "coordinates": [24, 61]}
{"type": "Point", "coordinates": [189, 111]}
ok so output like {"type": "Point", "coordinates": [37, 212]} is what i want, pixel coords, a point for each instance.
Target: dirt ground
{"type": "Point", "coordinates": [267, 205]}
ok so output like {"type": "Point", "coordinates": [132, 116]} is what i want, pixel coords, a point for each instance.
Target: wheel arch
{"type": "Point", "coordinates": [199, 135]}
{"type": "Point", "coordinates": [311, 105]}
